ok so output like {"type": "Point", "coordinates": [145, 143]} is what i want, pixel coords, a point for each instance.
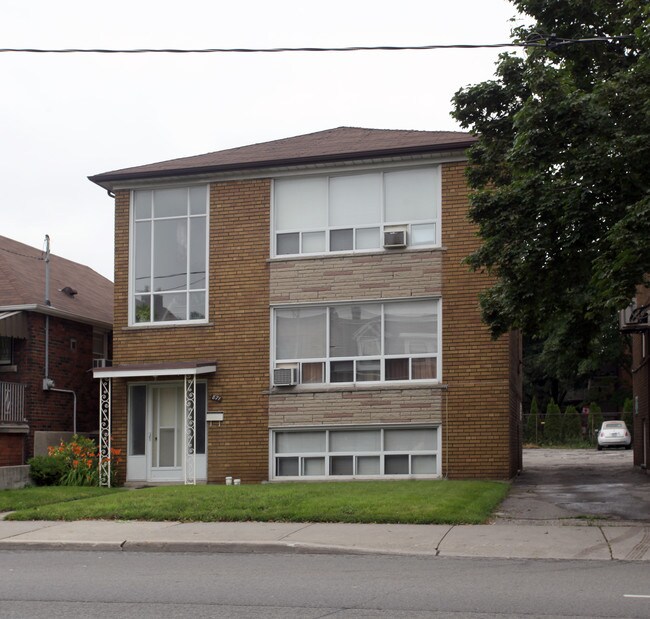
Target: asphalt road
{"type": "Point", "coordinates": [565, 484]}
{"type": "Point", "coordinates": [81, 584]}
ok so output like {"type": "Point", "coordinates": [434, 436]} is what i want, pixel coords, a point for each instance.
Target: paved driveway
{"type": "Point", "coordinates": [570, 484]}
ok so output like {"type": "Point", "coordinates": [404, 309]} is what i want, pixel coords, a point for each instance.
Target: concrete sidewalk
{"type": "Point", "coordinates": [630, 542]}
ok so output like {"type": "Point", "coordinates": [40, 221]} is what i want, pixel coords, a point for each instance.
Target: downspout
{"type": "Point", "coordinates": [46, 378]}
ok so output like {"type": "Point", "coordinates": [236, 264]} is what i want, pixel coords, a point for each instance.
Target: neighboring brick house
{"type": "Point", "coordinates": [308, 297]}
{"type": "Point", "coordinates": [636, 321]}
{"type": "Point", "coordinates": [57, 341]}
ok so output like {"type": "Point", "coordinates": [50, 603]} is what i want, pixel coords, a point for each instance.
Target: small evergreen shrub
{"type": "Point", "coordinates": [572, 424]}
{"type": "Point", "coordinates": [595, 420]}
{"type": "Point", "coordinates": [532, 423]}
{"type": "Point", "coordinates": [628, 415]}
{"type": "Point", "coordinates": [553, 423]}
{"type": "Point", "coordinates": [46, 471]}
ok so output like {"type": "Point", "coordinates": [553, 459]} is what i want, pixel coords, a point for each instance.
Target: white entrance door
{"type": "Point", "coordinates": [156, 437]}
{"type": "Point", "coordinates": [166, 433]}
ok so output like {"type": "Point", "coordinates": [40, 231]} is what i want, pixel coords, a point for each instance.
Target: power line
{"type": "Point", "coordinates": [249, 50]}
{"type": "Point", "coordinates": [537, 40]}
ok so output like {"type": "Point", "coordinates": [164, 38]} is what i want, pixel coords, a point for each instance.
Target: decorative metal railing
{"type": "Point", "coordinates": [105, 432]}
{"type": "Point", "coordinates": [190, 430]}
{"type": "Point", "coordinates": [12, 403]}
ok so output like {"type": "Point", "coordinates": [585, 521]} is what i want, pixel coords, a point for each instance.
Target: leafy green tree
{"type": "Point", "coordinates": [560, 176]}
{"type": "Point", "coordinates": [532, 423]}
{"type": "Point", "coordinates": [572, 424]}
{"type": "Point", "coordinates": [553, 423]}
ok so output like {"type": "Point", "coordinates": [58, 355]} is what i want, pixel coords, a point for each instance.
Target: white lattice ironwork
{"type": "Point", "coordinates": [190, 430]}
{"type": "Point", "coordinates": [105, 432]}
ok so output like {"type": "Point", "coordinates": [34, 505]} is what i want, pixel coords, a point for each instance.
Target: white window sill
{"type": "Point", "coordinates": [340, 387]}
{"type": "Point", "coordinates": [167, 325]}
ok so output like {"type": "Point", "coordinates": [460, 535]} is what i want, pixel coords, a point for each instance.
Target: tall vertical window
{"type": "Point", "coordinates": [169, 255]}
{"type": "Point", "coordinates": [350, 212]}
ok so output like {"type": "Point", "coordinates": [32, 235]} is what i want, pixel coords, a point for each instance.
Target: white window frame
{"type": "Point", "coordinates": [97, 334]}
{"type": "Point", "coordinates": [327, 454]}
{"type": "Point", "coordinates": [132, 289]}
{"type": "Point", "coordinates": [381, 357]}
{"type": "Point", "coordinates": [382, 224]}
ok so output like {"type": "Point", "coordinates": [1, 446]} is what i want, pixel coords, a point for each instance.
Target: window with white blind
{"type": "Point", "coordinates": [356, 452]}
{"type": "Point", "coordinates": [347, 213]}
{"type": "Point", "coordinates": [359, 342]}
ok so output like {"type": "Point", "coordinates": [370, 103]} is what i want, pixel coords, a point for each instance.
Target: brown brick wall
{"type": "Point", "coordinates": [641, 390]}
{"type": "Point", "coordinates": [516, 397]}
{"type": "Point", "coordinates": [12, 448]}
{"type": "Point", "coordinates": [237, 336]}
{"type": "Point", "coordinates": [477, 436]}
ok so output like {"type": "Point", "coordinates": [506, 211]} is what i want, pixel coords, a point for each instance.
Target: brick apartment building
{"type": "Point", "coordinates": [299, 309]}
{"type": "Point", "coordinates": [56, 341]}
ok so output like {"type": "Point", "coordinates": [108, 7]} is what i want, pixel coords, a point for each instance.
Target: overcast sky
{"type": "Point", "coordinates": [65, 117]}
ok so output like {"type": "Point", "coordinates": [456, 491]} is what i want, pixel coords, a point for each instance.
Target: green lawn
{"type": "Point", "coordinates": [415, 502]}
{"type": "Point", "coordinates": [36, 496]}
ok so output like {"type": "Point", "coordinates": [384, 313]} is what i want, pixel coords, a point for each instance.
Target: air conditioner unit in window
{"type": "Point", "coordinates": [395, 238]}
{"type": "Point", "coordinates": [102, 363]}
{"type": "Point", "coordinates": [285, 377]}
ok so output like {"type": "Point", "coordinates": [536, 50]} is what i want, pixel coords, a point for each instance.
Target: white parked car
{"type": "Point", "coordinates": [614, 434]}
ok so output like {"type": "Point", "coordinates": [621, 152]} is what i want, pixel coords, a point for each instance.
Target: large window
{"type": "Point", "coordinates": [350, 212]}
{"type": "Point", "coordinates": [356, 452]}
{"type": "Point", "coordinates": [169, 255]}
{"type": "Point", "coordinates": [359, 342]}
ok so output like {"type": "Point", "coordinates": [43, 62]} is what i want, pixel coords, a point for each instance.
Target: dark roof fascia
{"type": "Point", "coordinates": [57, 313]}
{"type": "Point", "coordinates": [107, 179]}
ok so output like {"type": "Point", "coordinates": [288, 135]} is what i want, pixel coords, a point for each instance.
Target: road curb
{"type": "Point", "coordinates": [94, 546]}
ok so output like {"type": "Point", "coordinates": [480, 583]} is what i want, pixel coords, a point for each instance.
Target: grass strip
{"type": "Point", "coordinates": [36, 496]}
{"type": "Point", "coordinates": [413, 502]}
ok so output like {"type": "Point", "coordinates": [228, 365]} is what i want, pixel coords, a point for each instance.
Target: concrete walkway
{"type": "Point", "coordinates": [555, 541]}
{"type": "Point", "coordinates": [567, 504]}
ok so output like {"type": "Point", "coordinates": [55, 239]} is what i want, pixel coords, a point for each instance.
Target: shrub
{"type": "Point", "coordinates": [80, 461]}
{"type": "Point", "coordinates": [595, 420]}
{"type": "Point", "coordinates": [628, 415]}
{"type": "Point", "coordinates": [72, 464]}
{"type": "Point", "coordinates": [572, 424]}
{"type": "Point", "coordinates": [553, 423]}
{"type": "Point", "coordinates": [46, 470]}
{"type": "Point", "coordinates": [532, 423]}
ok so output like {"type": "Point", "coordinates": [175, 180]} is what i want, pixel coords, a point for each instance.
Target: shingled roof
{"type": "Point", "coordinates": [340, 144]}
{"type": "Point", "coordinates": [22, 283]}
